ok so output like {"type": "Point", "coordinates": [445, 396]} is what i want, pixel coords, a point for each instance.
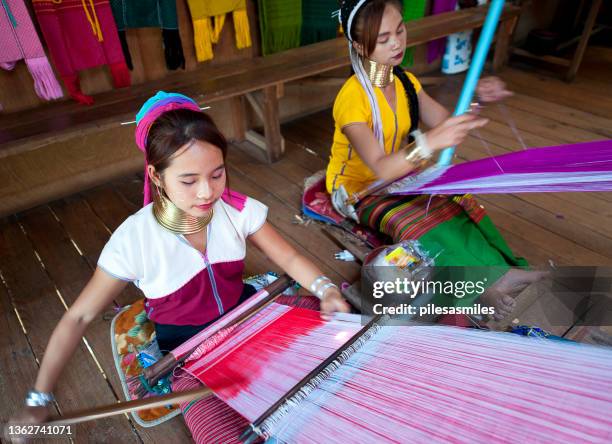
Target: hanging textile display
{"type": "Point", "coordinates": [435, 48]}
{"type": "Point", "coordinates": [150, 14]}
{"type": "Point", "coordinates": [299, 379]}
{"type": "Point", "coordinates": [81, 34]}
{"type": "Point", "coordinates": [413, 10]}
{"type": "Point", "coordinates": [19, 40]}
{"type": "Point", "coordinates": [281, 24]}
{"type": "Point", "coordinates": [317, 24]}
{"type": "Point", "coordinates": [208, 20]}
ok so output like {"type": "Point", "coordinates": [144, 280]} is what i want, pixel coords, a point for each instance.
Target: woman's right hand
{"type": "Point", "coordinates": [453, 131]}
{"type": "Point", "coordinates": [27, 416]}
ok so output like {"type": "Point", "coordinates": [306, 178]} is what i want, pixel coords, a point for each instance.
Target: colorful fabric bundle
{"type": "Point", "coordinates": [82, 34]}
{"type": "Point", "coordinates": [435, 48]}
{"type": "Point", "coordinates": [208, 20]}
{"type": "Point", "coordinates": [134, 348]}
{"type": "Point", "coordinates": [317, 21]}
{"type": "Point", "coordinates": [19, 40]}
{"type": "Point", "coordinates": [281, 24]}
{"type": "Point", "coordinates": [413, 10]}
{"type": "Point", "coordinates": [577, 167]}
{"type": "Point", "coordinates": [150, 14]}
{"type": "Point", "coordinates": [408, 383]}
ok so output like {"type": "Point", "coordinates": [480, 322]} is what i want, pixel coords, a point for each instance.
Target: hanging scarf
{"type": "Point", "coordinates": [317, 23]}
{"type": "Point", "coordinates": [435, 48]}
{"type": "Point", "coordinates": [413, 10]}
{"type": "Point", "coordinates": [81, 34]}
{"type": "Point", "coordinates": [19, 40]}
{"type": "Point", "coordinates": [208, 19]}
{"type": "Point", "coordinates": [281, 23]}
{"type": "Point", "coordinates": [150, 14]}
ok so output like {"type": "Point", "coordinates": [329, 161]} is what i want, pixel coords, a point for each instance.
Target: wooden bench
{"type": "Point", "coordinates": [260, 80]}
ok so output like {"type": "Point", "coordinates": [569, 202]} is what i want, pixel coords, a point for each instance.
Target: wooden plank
{"type": "Point", "coordinates": [17, 361]}
{"type": "Point", "coordinates": [38, 176]}
{"type": "Point", "coordinates": [544, 58]}
{"type": "Point", "coordinates": [238, 117]}
{"type": "Point", "coordinates": [275, 145]}
{"type": "Point", "coordinates": [504, 35]}
{"type": "Point", "coordinates": [584, 94]}
{"type": "Point", "coordinates": [591, 334]}
{"type": "Point", "coordinates": [70, 272]}
{"type": "Point", "coordinates": [301, 237]}
{"type": "Point", "coordinates": [539, 306]}
{"type": "Point", "coordinates": [584, 40]}
{"type": "Point", "coordinates": [569, 251]}
{"type": "Point", "coordinates": [348, 242]}
{"type": "Point", "coordinates": [36, 299]}
{"type": "Point", "coordinates": [87, 239]}
{"type": "Point", "coordinates": [524, 103]}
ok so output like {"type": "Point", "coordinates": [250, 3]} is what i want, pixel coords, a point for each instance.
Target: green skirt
{"type": "Point", "coordinates": [454, 230]}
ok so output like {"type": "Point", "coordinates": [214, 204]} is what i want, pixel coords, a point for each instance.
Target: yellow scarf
{"type": "Point", "coordinates": [205, 33]}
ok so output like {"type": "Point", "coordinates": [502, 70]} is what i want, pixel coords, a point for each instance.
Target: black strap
{"type": "Point", "coordinates": [411, 95]}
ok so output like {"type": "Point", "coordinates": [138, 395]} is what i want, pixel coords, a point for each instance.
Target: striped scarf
{"type": "Point", "coordinates": [19, 40]}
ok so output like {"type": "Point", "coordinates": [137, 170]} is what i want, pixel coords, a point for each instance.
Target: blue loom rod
{"type": "Point", "coordinates": [478, 61]}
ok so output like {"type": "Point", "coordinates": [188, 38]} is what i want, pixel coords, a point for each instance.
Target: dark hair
{"type": "Point", "coordinates": [367, 23]}
{"type": "Point", "coordinates": [176, 128]}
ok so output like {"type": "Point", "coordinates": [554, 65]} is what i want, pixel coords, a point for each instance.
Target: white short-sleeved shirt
{"type": "Point", "coordinates": [182, 285]}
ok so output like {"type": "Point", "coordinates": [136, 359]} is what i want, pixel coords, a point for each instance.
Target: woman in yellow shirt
{"type": "Point", "coordinates": [374, 115]}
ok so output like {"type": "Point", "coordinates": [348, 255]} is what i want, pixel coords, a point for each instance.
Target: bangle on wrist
{"type": "Point", "coordinates": [320, 285]}
{"type": "Point", "coordinates": [321, 291]}
{"type": "Point", "coordinates": [35, 398]}
{"type": "Point", "coordinates": [318, 282]}
{"type": "Point", "coordinates": [422, 152]}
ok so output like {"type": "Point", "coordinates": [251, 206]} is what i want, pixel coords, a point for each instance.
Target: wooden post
{"type": "Point", "coordinates": [500, 56]}
{"type": "Point", "coordinates": [271, 121]}
{"type": "Point", "coordinates": [584, 40]}
{"type": "Point", "coordinates": [238, 118]}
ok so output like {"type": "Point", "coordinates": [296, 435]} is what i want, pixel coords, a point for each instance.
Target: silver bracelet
{"type": "Point", "coordinates": [318, 281]}
{"type": "Point", "coordinates": [35, 398]}
{"type": "Point", "coordinates": [422, 151]}
{"type": "Point", "coordinates": [321, 291]}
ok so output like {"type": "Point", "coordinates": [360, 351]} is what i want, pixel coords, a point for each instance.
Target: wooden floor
{"type": "Point", "coordinates": [49, 252]}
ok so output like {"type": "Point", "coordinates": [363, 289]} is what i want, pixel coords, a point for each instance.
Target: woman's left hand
{"type": "Point", "coordinates": [492, 89]}
{"type": "Point", "coordinates": [332, 302]}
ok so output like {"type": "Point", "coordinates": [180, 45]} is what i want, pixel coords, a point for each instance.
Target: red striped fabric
{"type": "Point", "coordinates": [209, 419]}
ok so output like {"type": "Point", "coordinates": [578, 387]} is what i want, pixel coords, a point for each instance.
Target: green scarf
{"type": "Point", "coordinates": [281, 24]}
{"type": "Point", "coordinates": [150, 14]}
{"type": "Point", "coordinates": [413, 10]}
{"type": "Point", "coordinates": [317, 21]}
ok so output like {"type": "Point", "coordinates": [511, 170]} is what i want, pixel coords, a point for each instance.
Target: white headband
{"type": "Point", "coordinates": [349, 23]}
